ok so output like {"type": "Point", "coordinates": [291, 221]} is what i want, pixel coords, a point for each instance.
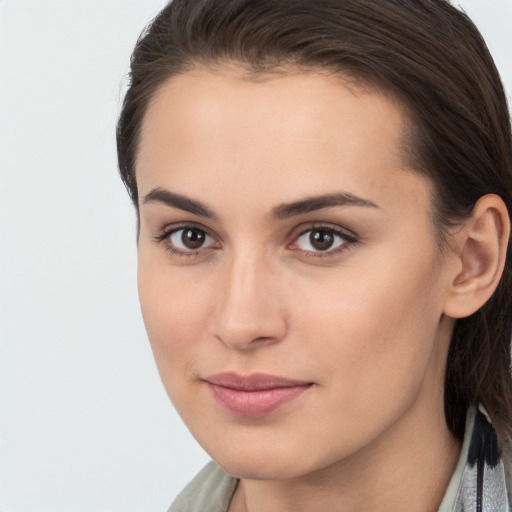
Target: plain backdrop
{"type": "Point", "coordinates": [85, 425]}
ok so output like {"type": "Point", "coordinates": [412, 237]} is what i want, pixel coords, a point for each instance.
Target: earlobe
{"type": "Point", "coordinates": [482, 247]}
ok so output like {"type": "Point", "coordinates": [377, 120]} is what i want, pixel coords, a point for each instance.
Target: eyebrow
{"type": "Point", "coordinates": [283, 211]}
{"type": "Point", "coordinates": [160, 195]}
{"type": "Point", "coordinates": [314, 203]}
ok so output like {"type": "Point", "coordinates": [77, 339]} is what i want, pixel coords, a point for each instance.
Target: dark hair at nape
{"type": "Point", "coordinates": [429, 56]}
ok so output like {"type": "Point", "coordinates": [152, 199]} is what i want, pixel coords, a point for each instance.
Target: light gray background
{"type": "Point", "coordinates": [85, 425]}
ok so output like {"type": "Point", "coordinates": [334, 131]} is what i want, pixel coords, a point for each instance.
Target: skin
{"type": "Point", "coordinates": [364, 322]}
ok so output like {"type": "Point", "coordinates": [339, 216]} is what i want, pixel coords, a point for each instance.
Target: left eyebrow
{"type": "Point", "coordinates": [312, 204]}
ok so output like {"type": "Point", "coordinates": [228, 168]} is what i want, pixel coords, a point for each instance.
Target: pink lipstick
{"type": "Point", "coordinates": [253, 395]}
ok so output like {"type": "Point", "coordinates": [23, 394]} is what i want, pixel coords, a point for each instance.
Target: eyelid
{"type": "Point", "coordinates": [165, 233]}
{"type": "Point", "coordinates": [176, 226]}
{"type": "Point", "coordinates": [351, 239]}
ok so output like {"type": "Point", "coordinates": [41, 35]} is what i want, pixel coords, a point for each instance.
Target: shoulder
{"type": "Point", "coordinates": [210, 491]}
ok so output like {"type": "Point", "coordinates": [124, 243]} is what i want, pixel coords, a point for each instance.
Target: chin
{"type": "Point", "coordinates": [270, 461]}
{"type": "Point", "coordinates": [262, 470]}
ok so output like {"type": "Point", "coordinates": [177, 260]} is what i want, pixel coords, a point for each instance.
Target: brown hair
{"type": "Point", "coordinates": [427, 54]}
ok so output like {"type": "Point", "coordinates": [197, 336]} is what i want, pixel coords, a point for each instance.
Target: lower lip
{"type": "Point", "coordinates": [255, 403]}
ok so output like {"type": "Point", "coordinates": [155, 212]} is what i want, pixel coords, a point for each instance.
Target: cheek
{"type": "Point", "coordinates": [373, 331]}
{"type": "Point", "coordinates": [174, 310]}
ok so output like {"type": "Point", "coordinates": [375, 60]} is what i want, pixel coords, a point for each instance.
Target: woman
{"type": "Point", "coordinates": [322, 189]}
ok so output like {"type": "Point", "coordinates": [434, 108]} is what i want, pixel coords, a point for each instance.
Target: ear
{"type": "Point", "coordinates": [480, 257]}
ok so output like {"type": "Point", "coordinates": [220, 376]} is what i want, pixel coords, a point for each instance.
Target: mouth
{"type": "Point", "coordinates": [254, 395]}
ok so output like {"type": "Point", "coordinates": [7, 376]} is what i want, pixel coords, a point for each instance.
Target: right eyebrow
{"type": "Point", "coordinates": [160, 195]}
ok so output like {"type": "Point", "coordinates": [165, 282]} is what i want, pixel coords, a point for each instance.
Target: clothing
{"type": "Point", "coordinates": [479, 483]}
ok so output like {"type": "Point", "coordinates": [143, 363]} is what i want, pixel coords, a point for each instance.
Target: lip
{"type": "Point", "coordinates": [254, 395]}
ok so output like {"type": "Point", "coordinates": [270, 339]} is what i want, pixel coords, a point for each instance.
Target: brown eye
{"type": "Point", "coordinates": [189, 240]}
{"type": "Point", "coordinates": [193, 238]}
{"type": "Point", "coordinates": [321, 239]}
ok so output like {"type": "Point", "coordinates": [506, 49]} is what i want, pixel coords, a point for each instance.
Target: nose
{"type": "Point", "coordinates": [249, 312]}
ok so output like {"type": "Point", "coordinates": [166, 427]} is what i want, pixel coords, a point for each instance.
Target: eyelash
{"type": "Point", "coordinates": [349, 240]}
{"type": "Point", "coordinates": [164, 238]}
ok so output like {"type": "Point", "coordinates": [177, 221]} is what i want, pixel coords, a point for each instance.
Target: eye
{"type": "Point", "coordinates": [322, 239]}
{"type": "Point", "coordinates": [187, 240]}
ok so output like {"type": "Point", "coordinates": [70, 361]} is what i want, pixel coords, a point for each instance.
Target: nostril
{"type": "Point", "coordinates": [247, 331]}
{"type": "Point", "coordinates": [244, 340]}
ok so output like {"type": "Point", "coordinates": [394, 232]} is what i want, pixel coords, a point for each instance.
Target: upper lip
{"type": "Point", "coordinates": [253, 382]}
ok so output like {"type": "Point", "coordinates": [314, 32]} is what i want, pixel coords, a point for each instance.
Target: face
{"type": "Point", "coordinates": [289, 276]}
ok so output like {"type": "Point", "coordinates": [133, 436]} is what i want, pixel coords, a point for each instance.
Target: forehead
{"type": "Point", "coordinates": [311, 129]}
{"type": "Point", "coordinates": [299, 104]}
